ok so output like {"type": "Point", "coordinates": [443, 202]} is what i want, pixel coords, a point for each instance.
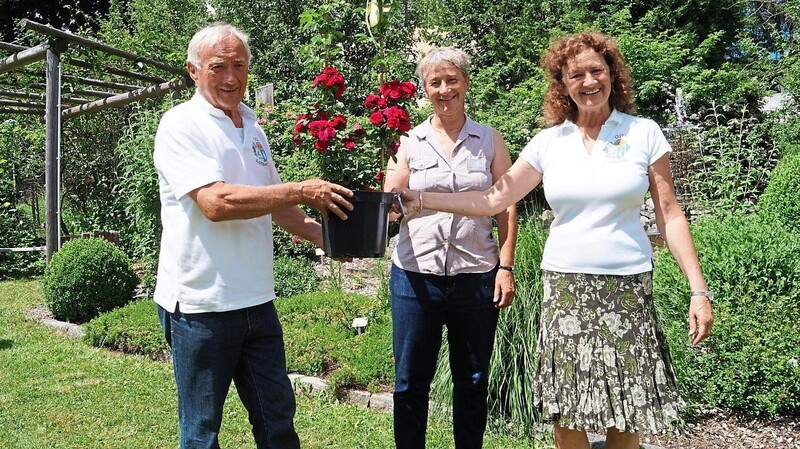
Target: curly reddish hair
{"type": "Point", "coordinates": [557, 105]}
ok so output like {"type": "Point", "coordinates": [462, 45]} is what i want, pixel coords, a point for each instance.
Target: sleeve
{"type": "Point", "coordinates": [182, 157]}
{"type": "Point", "coordinates": [659, 146]}
{"type": "Point", "coordinates": [532, 153]}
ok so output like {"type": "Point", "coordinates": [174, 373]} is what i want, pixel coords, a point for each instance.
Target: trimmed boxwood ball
{"type": "Point", "coordinates": [87, 277]}
{"type": "Point", "coordinates": [780, 202]}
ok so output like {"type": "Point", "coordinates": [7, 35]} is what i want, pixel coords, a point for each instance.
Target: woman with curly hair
{"type": "Point", "coordinates": [603, 362]}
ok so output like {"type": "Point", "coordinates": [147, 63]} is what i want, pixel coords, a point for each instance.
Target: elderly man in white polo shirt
{"type": "Point", "coordinates": [220, 193]}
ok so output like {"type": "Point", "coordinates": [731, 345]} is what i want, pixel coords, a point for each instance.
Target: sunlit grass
{"type": "Point", "coordinates": [58, 392]}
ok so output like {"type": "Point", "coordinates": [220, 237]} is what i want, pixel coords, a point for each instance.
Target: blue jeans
{"type": "Point", "coordinates": [209, 350]}
{"type": "Point", "coordinates": [421, 305]}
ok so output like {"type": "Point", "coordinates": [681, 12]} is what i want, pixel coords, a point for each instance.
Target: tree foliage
{"type": "Point", "coordinates": [58, 13]}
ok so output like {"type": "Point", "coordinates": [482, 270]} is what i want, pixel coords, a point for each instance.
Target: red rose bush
{"type": "Point", "coordinates": [349, 153]}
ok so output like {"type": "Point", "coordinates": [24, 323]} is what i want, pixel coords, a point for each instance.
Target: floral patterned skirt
{"type": "Point", "coordinates": [603, 359]}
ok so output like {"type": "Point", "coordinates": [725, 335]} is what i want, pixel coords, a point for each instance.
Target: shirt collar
{"type": "Point", "coordinates": [200, 101]}
{"type": "Point", "coordinates": [470, 128]}
{"type": "Point", "coordinates": [615, 117]}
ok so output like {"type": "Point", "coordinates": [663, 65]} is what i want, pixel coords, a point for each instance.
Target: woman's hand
{"type": "Point", "coordinates": [700, 318]}
{"type": "Point", "coordinates": [504, 288]}
{"type": "Point", "coordinates": [408, 201]}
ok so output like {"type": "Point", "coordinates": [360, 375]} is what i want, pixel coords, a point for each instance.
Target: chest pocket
{"type": "Point", "coordinates": [423, 164]}
{"type": "Point", "coordinates": [426, 174]}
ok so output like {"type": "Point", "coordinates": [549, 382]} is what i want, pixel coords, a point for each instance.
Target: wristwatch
{"type": "Point", "coordinates": [506, 267]}
{"type": "Point", "coordinates": [707, 293]}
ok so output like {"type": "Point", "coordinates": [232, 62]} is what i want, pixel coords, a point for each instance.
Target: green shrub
{"type": "Point", "coordinates": [294, 276]}
{"type": "Point", "coordinates": [780, 202]}
{"type": "Point", "coordinates": [750, 362]}
{"type": "Point", "coordinates": [367, 361]}
{"type": "Point", "coordinates": [512, 110]}
{"type": "Point", "coordinates": [319, 339]}
{"type": "Point", "coordinates": [138, 188]}
{"type": "Point", "coordinates": [133, 329]}
{"type": "Point", "coordinates": [87, 277]}
{"type": "Point", "coordinates": [737, 155]}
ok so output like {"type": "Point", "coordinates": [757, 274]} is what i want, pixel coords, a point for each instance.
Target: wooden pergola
{"type": "Point", "coordinates": [112, 85]}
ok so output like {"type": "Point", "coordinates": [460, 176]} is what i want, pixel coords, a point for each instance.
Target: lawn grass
{"type": "Point", "coordinates": [59, 392]}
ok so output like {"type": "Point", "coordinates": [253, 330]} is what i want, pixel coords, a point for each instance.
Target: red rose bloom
{"type": "Point", "coordinates": [330, 78]}
{"type": "Point", "coordinates": [379, 176]}
{"type": "Point", "coordinates": [301, 123]}
{"type": "Point", "coordinates": [397, 118]}
{"type": "Point", "coordinates": [339, 122]}
{"type": "Point", "coordinates": [376, 118]}
{"type": "Point", "coordinates": [391, 90]}
{"type": "Point", "coordinates": [349, 143]}
{"type": "Point", "coordinates": [374, 101]}
{"type": "Point", "coordinates": [408, 88]}
{"type": "Point", "coordinates": [321, 145]}
{"type": "Point", "coordinates": [322, 130]}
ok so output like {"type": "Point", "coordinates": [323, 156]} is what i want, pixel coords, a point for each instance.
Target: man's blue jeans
{"type": "Point", "coordinates": [245, 346]}
{"type": "Point", "coordinates": [421, 305]}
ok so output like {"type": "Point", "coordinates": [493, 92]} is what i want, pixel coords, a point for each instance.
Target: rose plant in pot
{"type": "Point", "coordinates": [353, 152]}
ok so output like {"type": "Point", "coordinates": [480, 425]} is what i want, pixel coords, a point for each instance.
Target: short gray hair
{"type": "Point", "coordinates": [443, 55]}
{"type": "Point", "coordinates": [210, 36]}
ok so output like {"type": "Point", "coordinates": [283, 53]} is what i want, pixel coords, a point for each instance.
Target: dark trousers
{"type": "Point", "coordinates": [422, 304]}
{"type": "Point", "coordinates": [209, 350]}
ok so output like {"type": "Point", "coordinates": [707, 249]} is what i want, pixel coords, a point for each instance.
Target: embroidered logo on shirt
{"type": "Point", "coordinates": [617, 151]}
{"type": "Point", "coordinates": [262, 157]}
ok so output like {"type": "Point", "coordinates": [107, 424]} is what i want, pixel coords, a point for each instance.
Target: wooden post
{"type": "Point", "coordinates": [39, 112]}
{"type": "Point", "coordinates": [129, 97]}
{"type": "Point", "coordinates": [52, 153]}
{"type": "Point", "coordinates": [23, 58]}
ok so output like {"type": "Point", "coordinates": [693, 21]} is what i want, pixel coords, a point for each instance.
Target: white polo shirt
{"type": "Point", "coordinates": [597, 198]}
{"type": "Point", "coordinates": [207, 266]}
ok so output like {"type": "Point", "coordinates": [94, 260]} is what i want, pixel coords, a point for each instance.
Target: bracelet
{"type": "Point", "coordinates": [506, 267]}
{"type": "Point", "coordinates": [420, 200]}
{"type": "Point", "coordinates": [707, 293]}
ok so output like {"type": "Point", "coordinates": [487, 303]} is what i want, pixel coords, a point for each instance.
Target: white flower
{"type": "Point", "coordinates": [613, 321]}
{"type": "Point", "coordinates": [638, 395]}
{"type": "Point", "coordinates": [547, 292]}
{"type": "Point", "coordinates": [609, 356]}
{"type": "Point", "coordinates": [661, 378]}
{"type": "Point", "coordinates": [568, 325]}
{"type": "Point", "coordinates": [585, 356]}
{"type": "Point", "coordinates": [647, 285]}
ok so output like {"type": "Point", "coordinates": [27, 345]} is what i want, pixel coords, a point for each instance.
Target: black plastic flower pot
{"type": "Point", "coordinates": [363, 234]}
